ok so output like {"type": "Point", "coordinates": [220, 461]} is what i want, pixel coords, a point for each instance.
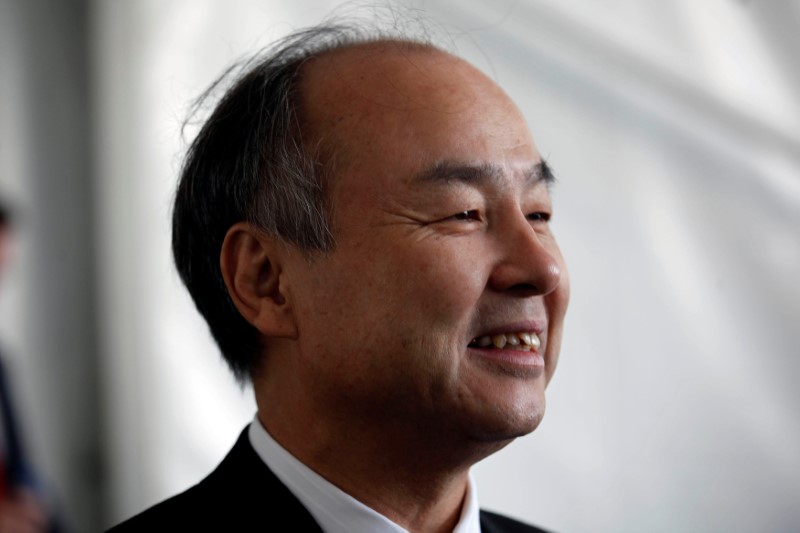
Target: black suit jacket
{"type": "Point", "coordinates": [242, 494]}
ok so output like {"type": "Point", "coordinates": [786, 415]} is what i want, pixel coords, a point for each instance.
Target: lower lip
{"type": "Point", "coordinates": [520, 359]}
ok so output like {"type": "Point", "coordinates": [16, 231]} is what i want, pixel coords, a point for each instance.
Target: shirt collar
{"type": "Point", "coordinates": [333, 509]}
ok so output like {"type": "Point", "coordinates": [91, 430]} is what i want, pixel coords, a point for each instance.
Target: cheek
{"type": "Point", "coordinates": [395, 296]}
{"type": "Point", "coordinates": [443, 282]}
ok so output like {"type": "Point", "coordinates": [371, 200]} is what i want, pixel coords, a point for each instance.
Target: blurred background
{"type": "Point", "coordinates": [674, 129]}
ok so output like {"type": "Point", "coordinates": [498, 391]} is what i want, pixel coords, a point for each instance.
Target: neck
{"type": "Point", "coordinates": [415, 478]}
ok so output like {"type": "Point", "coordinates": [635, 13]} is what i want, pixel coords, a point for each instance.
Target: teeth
{"type": "Point", "coordinates": [535, 341]}
{"type": "Point", "coordinates": [524, 341]}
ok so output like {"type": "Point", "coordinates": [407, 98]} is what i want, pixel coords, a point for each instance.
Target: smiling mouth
{"type": "Point", "coordinates": [525, 341]}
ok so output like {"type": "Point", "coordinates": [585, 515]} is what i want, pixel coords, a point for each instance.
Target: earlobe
{"type": "Point", "coordinates": [251, 265]}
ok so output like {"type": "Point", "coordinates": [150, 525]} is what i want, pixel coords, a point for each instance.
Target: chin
{"type": "Point", "coordinates": [507, 426]}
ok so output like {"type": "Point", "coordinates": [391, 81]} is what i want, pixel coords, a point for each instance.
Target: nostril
{"type": "Point", "coordinates": [526, 289]}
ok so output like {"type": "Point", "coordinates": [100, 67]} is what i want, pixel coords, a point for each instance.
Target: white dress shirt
{"type": "Point", "coordinates": [333, 509]}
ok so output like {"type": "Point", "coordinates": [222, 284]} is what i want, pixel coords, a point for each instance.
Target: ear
{"type": "Point", "coordinates": [251, 264]}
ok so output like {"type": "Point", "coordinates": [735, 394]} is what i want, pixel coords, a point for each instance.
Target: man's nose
{"type": "Point", "coordinates": [529, 263]}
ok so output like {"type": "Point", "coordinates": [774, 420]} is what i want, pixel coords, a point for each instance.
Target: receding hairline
{"type": "Point", "coordinates": [329, 67]}
{"type": "Point", "coordinates": [332, 60]}
{"type": "Point", "coordinates": [389, 48]}
{"type": "Point", "coordinates": [317, 137]}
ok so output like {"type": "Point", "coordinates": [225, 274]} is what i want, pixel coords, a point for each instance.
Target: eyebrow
{"type": "Point", "coordinates": [447, 172]}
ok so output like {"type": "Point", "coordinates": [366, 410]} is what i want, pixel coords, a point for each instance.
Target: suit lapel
{"type": "Point", "coordinates": [243, 482]}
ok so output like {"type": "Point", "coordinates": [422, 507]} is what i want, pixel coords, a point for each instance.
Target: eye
{"type": "Point", "coordinates": [469, 215]}
{"type": "Point", "coordinates": [539, 216]}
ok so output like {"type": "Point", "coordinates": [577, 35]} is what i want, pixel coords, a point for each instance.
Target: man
{"type": "Point", "coordinates": [363, 222]}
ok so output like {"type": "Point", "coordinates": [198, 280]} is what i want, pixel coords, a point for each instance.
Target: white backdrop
{"type": "Point", "coordinates": [674, 129]}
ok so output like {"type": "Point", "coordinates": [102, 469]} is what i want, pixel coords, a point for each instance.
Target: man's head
{"type": "Point", "coordinates": [426, 238]}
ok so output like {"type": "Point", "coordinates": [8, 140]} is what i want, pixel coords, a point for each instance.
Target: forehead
{"type": "Point", "coordinates": [383, 76]}
{"type": "Point", "coordinates": [398, 108]}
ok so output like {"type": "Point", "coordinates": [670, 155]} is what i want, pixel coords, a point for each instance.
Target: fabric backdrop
{"type": "Point", "coordinates": [674, 131]}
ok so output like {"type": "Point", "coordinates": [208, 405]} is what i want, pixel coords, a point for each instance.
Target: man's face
{"type": "Point", "coordinates": [442, 243]}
